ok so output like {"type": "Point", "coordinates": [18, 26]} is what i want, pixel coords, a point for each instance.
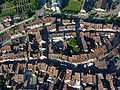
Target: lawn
{"type": "Point", "coordinates": [72, 5]}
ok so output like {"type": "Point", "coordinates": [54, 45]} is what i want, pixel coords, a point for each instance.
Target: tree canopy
{"type": "Point", "coordinates": [35, 4]}
{"type": "Point", "coordinates": [9, 76]}
{"type": "Point", "coordinates": [73, 43]}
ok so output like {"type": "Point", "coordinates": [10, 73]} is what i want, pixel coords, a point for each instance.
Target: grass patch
{"type": "Point", "coordinates": [71, 5]}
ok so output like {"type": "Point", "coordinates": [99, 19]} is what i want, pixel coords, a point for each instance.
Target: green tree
{"type": "Point", "coordinates": [116, 58]}
{"type": "Point", "coordinates": [76, 49]}
{"type": "Point", "coordinates": [39, 74]}
{"type": "Point", "coordinates": [72, 42]}
{"type": "Point", "coordinates": [105, 17]}
{"type": "Point", "coordinates": [35, 4]}
{"type": "Point", "coordinates": [36, 51]}
{"type": "Point", "coordinates": [2, 83]}
{"type": "Point", "coordinates": [9, 76]}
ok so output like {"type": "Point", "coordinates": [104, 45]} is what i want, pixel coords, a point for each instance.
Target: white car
{"type": "Point", "coordinates": [63, 65]}
{"type": "Point", "coordinates": [88, 65]}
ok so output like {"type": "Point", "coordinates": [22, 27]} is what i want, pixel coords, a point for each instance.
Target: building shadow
{"type": "Point", "coordinates": [64, 3]}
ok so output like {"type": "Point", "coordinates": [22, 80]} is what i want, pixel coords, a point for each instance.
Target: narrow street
{"type": "Point", "coordinates": [38, 13]}
{"type": "Point", "coordinates": [7, 29]}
